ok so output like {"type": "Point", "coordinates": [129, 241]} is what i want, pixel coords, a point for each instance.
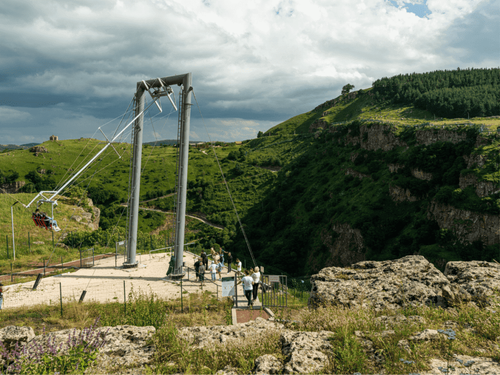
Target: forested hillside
{"type": "Point", "coordinates": [376, 173]}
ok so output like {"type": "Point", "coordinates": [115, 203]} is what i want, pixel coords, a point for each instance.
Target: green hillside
{"type": "Point", "coordinates": [371, 174]}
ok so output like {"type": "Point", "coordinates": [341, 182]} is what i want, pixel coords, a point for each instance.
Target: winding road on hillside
{"type": "Point", "coordinates": [202, 219]}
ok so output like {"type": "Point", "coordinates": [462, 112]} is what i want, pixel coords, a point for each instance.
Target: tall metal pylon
{"type": "Point", "coordinates": [161, 87]}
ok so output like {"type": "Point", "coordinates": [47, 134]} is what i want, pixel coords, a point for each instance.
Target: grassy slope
{"type": "Point", "coordinates": [312, 192]}
{"type": "Point", "coordinates": [294, 203]}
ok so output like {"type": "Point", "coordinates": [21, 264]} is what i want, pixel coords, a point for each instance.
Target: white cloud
{"type": "Point", "coordinates": [262, 60]}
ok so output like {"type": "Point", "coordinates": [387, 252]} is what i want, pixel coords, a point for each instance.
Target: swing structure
{"type": "Point", "coordinates": [156, 88]}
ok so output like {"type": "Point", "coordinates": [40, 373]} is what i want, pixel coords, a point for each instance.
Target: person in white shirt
{"type": "Point", "coordinates": [248, 287]}
{"type": "Point", "coordinates": [238, 265]}
{"type": "Point", "coordinates": [256, 282]}
{"type": "Point", "coordinates": [213, 270]}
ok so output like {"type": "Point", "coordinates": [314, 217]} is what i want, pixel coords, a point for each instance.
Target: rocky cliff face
{"type": "Point", "coordinates": [466, 225]}
{"type": "Point", "coordinates": [429, 136]}
{"type": "Point", "coordinates": [348, 246]}
{"type": "Point", "coordinates": [12, 188]}
{"type": "Point", "coordinates": [483, 188]}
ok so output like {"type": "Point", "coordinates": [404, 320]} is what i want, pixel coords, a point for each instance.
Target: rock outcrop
{"type": "Point", "coordinates": [12, 188]}
{"type": "Point", "coordinates": [38, 150]}
{"type": "Point", "coordinates": [411, 280]}
{"type": "Point", "coordinates": [429, 136]}
{"type": "Point", "coordinates": [305, 352]}
{"type": "Point", "coordinates": [11, 335]}
{"type": "Point", "coordinates": [389, 284]}
{"type": "Point", "coordinates": [468, 226]}
{"type": "Point", "coordinates": [483, 188]}
{"type": "Point", "coordinates": [398, 194]}
{"type": "Point", "coordinates": [201, 337]}
{"type": "Point", "coordinates": [346, 247]}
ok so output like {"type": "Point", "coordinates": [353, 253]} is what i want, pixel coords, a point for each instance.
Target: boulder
{"type": "Point", "coordinates": [390, 284]}
{"type": "Point", "coordinates": [305, 352]}
{"type": "Point", "coordinates": [11, 335]}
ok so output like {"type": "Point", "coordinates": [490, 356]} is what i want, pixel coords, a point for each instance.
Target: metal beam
{"type": "Point", "coordinates": [136, 180]}
{"type": "Point", "coordinates": [183, 173]}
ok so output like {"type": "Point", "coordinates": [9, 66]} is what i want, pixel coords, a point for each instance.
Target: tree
{"type": "Point", "coordinates": [259, 134]}
{"type": "Point", "coordinates": [347, 88]}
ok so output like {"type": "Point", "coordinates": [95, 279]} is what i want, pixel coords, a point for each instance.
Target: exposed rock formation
{"type": "Point", "coordinates": [267, 364]}
{"type": "Point", "coordinates": [398, 194]}
{"type": "Point", "coordinates": [12, 188]}
{"type": "Point", "coordinates": [346, 248]}
{"type": "Point", "coordinates": [428, 136]}
{"type": "Point", "coordinates": [421, 175]}
{"type": "Point", "coordinates": [483, 188]}
{"type": "Point", "coordinates": [466, 225]}
{"type": "Point", "coordinates": [200, 337]}
{"type": "Point", "coordinates": [11, 335]}
{"type": "Point", "coordinates": [389, 284]}
{"type": "Point", "coordinates": [305, 352]}
{"type": "Point", "coordinates": [38, 150]}
{"type": "Point", "coordinates": [473, 281]}
{"type": "Point", "coordinates": [411, 280]}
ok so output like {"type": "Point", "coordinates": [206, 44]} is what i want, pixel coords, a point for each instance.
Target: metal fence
{"type": "Point", "coordinates": [274, 291]}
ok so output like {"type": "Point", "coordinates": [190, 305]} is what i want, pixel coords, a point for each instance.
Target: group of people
{"type": "Point", "coordinates": [250, 280]}
{"type": "Point", "coordinates": [216, 265]}
{"type": "Point", "coordinates": [41, 219]}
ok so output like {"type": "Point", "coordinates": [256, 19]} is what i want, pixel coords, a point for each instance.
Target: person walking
{"type": "Point", "coordinates": [221, 255]}
{"type": "Point", "coordinates": [238, 265]}
{"type": "Point", "coordinates": [205, 259]}
{"type": "Point", "coordinates": [256, 282]}
{"type": "Point", "coordinates": [219, 268]}
{"type": "Point", "coordinates": [201, 271]}
{"type": "Point", "coordinates": [197, 265]}
{"type": "Point", "coordinates": [229, 261]}
{"type": "Point", "coordinates": [248, 287]}
{"type": "Point", "coordinates": [213, 270]}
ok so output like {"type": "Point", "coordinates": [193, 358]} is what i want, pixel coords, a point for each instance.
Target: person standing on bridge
{"type": "Point", "coordinates": [248, 287]}
{"type": "Point", "coordinates": [256, 282]}
{"type": "Point", "coordinates": [197, 265]}
{"type": "Point", "coordinates": [213, 270]}
{"type": "Point", "coordinates": [1, 295]}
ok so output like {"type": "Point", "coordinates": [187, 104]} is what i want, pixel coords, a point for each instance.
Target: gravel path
{"type": "Point", "coordinates": [105, 283]}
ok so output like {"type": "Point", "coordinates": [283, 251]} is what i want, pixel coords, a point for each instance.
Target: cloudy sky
{"type": "Point", "coordinates": [68, 67]}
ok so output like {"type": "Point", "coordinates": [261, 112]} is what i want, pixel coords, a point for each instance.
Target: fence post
{"type": "Point", "coordinates": [43, 267]}
{"type": "Point", "coordinates": [151, 242]}
{"type": "Point", "coordinates": [60, 292]}
{"type": "Point", "coordinates": [11, 275]}
{"type": "Point", "coordinates": [124, 298]}
{"type": "Point", "coordinates": [182, 304]}
{"type": "Point", "coordinates": [93, 258]}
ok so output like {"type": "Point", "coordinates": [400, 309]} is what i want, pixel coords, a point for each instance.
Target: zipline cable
{"type": "Point", "coordinates": [227, 186]}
